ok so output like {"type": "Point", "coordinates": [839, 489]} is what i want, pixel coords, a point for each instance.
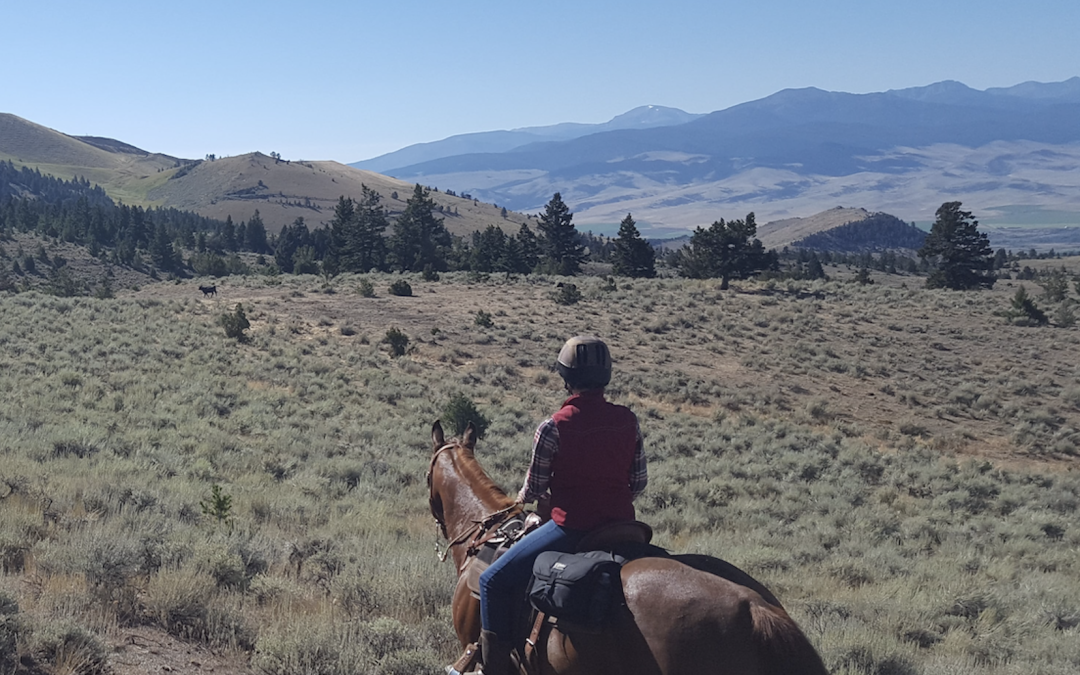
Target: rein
{"type": "Point", "coordinates": [478, 528]}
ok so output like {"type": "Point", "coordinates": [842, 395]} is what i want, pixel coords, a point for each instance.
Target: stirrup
{"type": "Point", "coordinates": [467, 663]}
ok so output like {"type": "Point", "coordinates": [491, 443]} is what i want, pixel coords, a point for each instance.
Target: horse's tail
{"type": "Point", "coordinates": [782, 647]}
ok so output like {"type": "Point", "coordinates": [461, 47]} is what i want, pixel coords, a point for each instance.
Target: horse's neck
{"type": "Point", "coordinates": [474, 496]}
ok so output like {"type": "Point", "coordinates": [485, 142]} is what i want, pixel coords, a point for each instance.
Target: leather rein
{"type": "Point", "coordinates": [479, 530]}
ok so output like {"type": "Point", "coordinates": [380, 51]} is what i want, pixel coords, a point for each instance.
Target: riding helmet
{"type": "Point", "coordinates": [584, 363]}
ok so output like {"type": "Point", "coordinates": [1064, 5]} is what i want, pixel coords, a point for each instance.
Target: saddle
{"type": "Point", "coordinates": [626, 538]}
{"type": "Point", "coordinates": [620, 542]}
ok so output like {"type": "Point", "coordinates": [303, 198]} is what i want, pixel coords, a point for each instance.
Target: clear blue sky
{"type": "Point", "coordinates": [349, 80]}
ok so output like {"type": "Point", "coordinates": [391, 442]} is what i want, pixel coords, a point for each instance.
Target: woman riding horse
{"type": "Point", "coordinates": [680, 614]}
{"type": "Point", "coordinates": [589, 455]}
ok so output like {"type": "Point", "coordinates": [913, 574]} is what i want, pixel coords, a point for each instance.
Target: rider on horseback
{"type": "Point", "coordinates": [589, 456]}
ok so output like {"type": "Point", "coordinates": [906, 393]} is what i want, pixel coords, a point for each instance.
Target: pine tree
{"type": "Point", "coordinates": [962, 253]}
{"type": "Point", "coordinates": [292, 237]}
{"type": "Point", "coordinates": [528, 249]}
{"type": "Point", "coordinates": [561, 250]}
{"type": "Point", "coordinates": [255, 235]}
{"type": "Point", "coordinates": [228, 235]}
{"type": "Point", "coordinates": [162, 253]}
{"type": "Point", "coordinates": [366, 242]}
{"type": "Point", "coordinates": [488, 249]}
{"type": "Point", "coordinates": [341, 225]}
{"type": "Point", "coordinates": [420, 238]}
{"type": "Point", "coordinates": [727, 250]}
{"type": "Point", "coordinates": [633, 257]}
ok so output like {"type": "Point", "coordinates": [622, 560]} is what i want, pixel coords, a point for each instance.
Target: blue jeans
{"type": "Point", "coordinates": [511, 572]}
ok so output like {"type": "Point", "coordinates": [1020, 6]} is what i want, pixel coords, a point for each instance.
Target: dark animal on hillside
{"type": "Point", "coordinates": [683, 614]}
{"type": "Point", "coordinates": [208, 290]}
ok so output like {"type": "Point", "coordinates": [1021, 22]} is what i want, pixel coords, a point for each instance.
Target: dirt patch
{"type": "Point", "coordinates": [143, 650]}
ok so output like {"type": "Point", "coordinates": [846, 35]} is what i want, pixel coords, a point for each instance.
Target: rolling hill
{"type": "Point", "coordinates": [281, 190]}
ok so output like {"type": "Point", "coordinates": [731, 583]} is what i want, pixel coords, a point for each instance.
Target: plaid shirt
{"type": "Point", "coordinates": [546, 444]}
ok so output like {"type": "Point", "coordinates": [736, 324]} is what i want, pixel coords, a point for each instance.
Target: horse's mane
{"type": "Point", "coordinates": [469, 469]}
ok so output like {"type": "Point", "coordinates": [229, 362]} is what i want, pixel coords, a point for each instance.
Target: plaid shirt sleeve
{"type": "Point", "coordinates": [639, 470]}
{"type": "Point", "coordinates": [545, 445]}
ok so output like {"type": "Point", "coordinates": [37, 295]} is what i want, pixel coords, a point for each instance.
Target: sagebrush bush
{"type": "Point", "coordinates": [400, 288]}
{"type": "Point", "coordinates": [70, 648]}
{"type": "Point", "coordinates": [235, 324]}
{"type": "Point", "coordinates": [459, 411]}
{"type": "Point", "coordinates": [398, 341]}
{"type": "Point", "coordinates": [568, 294]}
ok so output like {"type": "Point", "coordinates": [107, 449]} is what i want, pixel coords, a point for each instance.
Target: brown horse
{"type": "Point", "coordinates": [685, 615]}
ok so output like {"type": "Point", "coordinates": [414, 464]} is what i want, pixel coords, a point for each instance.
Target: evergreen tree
{"type": "Point", "coordinates": [304, 261]}
{"type": "Point", "coordinates": [365, 247]}
{"type": "Point", "coordinates": [560, 247]}
{"type": "Point", "coordinates": [255, 235]}
{"type": "Point", "coordinates": [420, 239]}
{"type": "Point", "coordinates": [292, 237]}
{"type": "Point", "coordinates": [727, 250]}
{"type": "Point", "coordinates": [962, 253]}
{"type": "Point", "coordinates": [814, 270]}
{"type": "Point", "coordinates": [341, 225]}
{"type": "Point", "coordinates": [1001, 259]}
{"type": "Point", "coordinates": [162, 253]}
{"type": "Point", "coordinates": [528, 249]}
{"type": "Point", "coordinates": [488, 249]}
{"type": "Point", "coordinates": [228, 235]}
{"type": "Point", "coordinates": [241, 236]}
{"type": "Point", "coordinates": [633, 257]}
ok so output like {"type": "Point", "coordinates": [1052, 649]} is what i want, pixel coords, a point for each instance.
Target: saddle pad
{"type": "Point", "coordinates": [473, 571]}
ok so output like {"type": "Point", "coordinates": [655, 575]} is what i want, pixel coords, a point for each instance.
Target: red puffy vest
{"type": "Point", "coordinates": [590, 474]}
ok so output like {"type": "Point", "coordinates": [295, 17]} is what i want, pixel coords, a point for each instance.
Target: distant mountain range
{"type": "Point", "coordinates": [644, 117]}
{"type": "Point", "coordinates": [1012, 155]}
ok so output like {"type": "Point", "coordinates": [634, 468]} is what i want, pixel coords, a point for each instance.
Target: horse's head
{"type": "Point", "coordinates": [458, 489]}
{"type": "Point", "coordinates": [440, 446]}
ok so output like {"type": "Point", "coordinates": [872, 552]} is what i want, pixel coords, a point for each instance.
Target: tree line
{"type": "Point", "coordinates": [361, 237]}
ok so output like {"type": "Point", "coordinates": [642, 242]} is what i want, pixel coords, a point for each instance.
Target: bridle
{"type": "Point", "coordinates": [477, 530]}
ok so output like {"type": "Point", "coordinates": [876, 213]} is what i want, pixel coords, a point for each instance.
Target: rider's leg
{"type": "Point", "coordinates": [507, 576]}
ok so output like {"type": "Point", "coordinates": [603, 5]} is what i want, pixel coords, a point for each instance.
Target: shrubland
{"type": "Point", "coordinates": [897, 464]}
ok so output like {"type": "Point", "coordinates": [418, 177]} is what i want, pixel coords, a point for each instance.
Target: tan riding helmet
{"type": "Point", "coordinates": [584, 363]}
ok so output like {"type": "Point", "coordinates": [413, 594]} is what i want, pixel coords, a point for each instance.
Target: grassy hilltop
{"type": "Point", "coordinates": [897, 464]}
{"type": "Point", "coordinates": [282, 190]}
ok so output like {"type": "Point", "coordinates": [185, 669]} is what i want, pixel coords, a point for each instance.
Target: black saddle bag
{"type": "Point", "coordinates": [579, 588]}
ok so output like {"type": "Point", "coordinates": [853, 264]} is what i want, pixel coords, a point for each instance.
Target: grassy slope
{"type": "Point", "coordinates": [283, 191]}
{"type": "Point", "coordinates": [780, 233]}
{"type": "Point", "coordinates": [810, 440]}
{"type": "Point", "coordinates": [229, 186]}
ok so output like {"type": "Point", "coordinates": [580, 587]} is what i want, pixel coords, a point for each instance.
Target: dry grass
{"type": "Point", "coordinates": [897, 464]}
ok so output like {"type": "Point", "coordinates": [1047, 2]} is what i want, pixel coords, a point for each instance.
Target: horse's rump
{"type": "Point", "coordinates": [682, 620]}
{"type": "Point", "coordinates": [725, 570]}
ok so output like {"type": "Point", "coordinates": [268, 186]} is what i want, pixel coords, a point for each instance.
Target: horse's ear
{"type": "Point", "coordinates": [437, 438]}
{"type": "Point", "coordinates": [468, 439]}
